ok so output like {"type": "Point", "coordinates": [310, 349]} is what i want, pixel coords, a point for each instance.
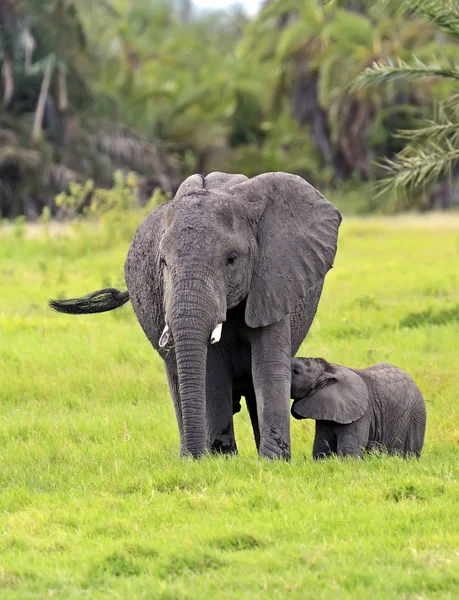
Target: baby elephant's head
{"type": "Point", "coordinates": [308, 374]}
{"type": "Point", "coordinates": [326, 392]}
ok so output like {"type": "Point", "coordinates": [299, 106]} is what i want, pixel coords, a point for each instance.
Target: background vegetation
{"type": "Point", "coordinates": [164, 90]}
{"type": "Point", "coordinates": [94, 500]}
{"type": "Point", "coordinates": [104, 102]}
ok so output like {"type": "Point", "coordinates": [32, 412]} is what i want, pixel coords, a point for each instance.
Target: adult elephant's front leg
{"type": "Point", "coordinates": [219, 401]}
{"type": "Point", "coordinates": [271, 346]}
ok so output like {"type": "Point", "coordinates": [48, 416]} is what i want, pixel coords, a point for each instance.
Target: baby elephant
{"type": "Point", "coordinates": [359, 409]}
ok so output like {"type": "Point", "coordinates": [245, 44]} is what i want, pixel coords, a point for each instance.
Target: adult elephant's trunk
{"type": "Point", "coordinates": [191, 356]}
{"type": "Point", "coordinates": [192, 315]}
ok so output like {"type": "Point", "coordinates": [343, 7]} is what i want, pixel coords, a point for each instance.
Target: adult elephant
{"type": "Point", "coordinates": [250, 254]}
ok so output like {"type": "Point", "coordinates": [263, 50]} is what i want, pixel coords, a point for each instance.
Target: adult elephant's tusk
{"type": "Point", "coordinates": [216, 334]}
{"type": "Point", "coordinates": [164, 337]}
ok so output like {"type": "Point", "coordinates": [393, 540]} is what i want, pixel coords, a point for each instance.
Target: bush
{"type": "Point", "coordinates": [115, 213]}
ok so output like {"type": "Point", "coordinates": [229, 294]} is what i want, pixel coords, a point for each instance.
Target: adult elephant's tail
{"type": "Point", "coordinates": [100, 301]}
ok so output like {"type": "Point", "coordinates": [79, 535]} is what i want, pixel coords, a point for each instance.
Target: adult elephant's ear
{"type": "Point", "coordinates": [343, 399]}
{"type": "Point", "coordinates": [297, 230]}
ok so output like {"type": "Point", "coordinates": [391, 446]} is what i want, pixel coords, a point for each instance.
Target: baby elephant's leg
{"type": "Point", "coordinates": [324, 441]}
{"type": "Point", "coordinates": [352, 439]}
{"type": "Point", "coordinates": [415, 434]}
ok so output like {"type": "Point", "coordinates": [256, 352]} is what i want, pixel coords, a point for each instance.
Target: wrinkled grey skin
{"type": "Point", "coordinates": [252, 254]}
{"type": "Point", "coordinates": [359, 409]}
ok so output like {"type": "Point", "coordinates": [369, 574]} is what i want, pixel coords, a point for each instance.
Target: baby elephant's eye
{"type": "Point", "coordinates": [296, 372]}
{"type": "Point", "coordinates": [232, 258]}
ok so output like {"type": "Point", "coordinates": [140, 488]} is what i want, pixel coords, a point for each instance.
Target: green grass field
{"type": "Point", "coordinates": [95, 502]}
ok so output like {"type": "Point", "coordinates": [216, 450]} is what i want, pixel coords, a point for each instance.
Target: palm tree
{"type": "Point", "coordinates": [315, 49]}
{"type": "Point", "coordinates": [432, 149]}
{"type": "Point", "coordinates": [176, 76]}
{"type": "Point", "coordinates": [46, 138]}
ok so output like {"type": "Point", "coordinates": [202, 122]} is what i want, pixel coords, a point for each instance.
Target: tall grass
{"type": "Point", "coordinates": [95, 502]}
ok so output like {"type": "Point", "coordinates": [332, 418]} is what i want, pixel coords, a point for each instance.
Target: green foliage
{"type": "Point", "coordinates": [429, 316]}
{"type": "Point", "coordinates": [164, 90]}
{"type": "Point", "coordinates": [47, 139]}
{"type": "Point", "coordinates": [386, 72]}
{"type": "Point", "coordinates": [145, 66]}
{"type": "Point", "coordinates": [284, 148]}
{"type": "Point", "coordinates": [95, 501]}
{"type": "Point", "coordinates": [418, 165]}
{"type": "Point", "coordinates": [19, 226]}
{"type": "Point", "coordinates": [432, 151]}
{"type": "Point", "coordinates": [116, 211]}
{"type": "Point", "coordinates": [313, 44]}
{"type": "Point", "coordinates": [442, 14]}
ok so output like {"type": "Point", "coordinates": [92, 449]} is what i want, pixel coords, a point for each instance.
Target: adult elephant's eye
{"type": "Point", "coordinates": [162, 261]}
{"type": "Point", "coordinates": [232, 258]}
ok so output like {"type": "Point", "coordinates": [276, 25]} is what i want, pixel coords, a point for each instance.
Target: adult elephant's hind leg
{"type": "Point", "coordinates": [415, 435]}
{"type": "Point", "coordinates": [219, 401]}
{"type": "Point", "coordinates": [271, 380]}
{"type": "Point", "coordinates": [251, 402]}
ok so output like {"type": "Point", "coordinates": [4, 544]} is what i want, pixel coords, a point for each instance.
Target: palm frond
{"type": "Point", "coordinates": [444, 125]}
{"type": "Point", "coordinates": [24, 159]}
{"type": "Point", "coordinates": [60, 177]}
{"type": "Point", "coordinates": [386, 72]}
{"type": "Point", "coordinates": [418, 167]}
{"type": "Point", "coordinates": [435, 132]}
{"type": "Point", "coordinates": [452, 102]}
{"type": "Point", "coordinates": [123, 147]}
{"type": "Point", "coordinates": [441, 13]}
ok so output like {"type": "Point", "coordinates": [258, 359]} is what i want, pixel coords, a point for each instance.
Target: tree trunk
{"type": "Point", "coordinates": [306, 110]}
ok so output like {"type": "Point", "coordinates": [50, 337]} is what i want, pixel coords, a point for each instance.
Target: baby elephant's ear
{"type": "Point", "coordinates": [343, 400]}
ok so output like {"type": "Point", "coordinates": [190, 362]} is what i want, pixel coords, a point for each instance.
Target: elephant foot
{"type": "Point", "coordinates": [221, 447]}
{"type": "Point", "coordinates": [343, 453]}
{"type": "Point", "coordinates": [196, 454]}
{"type": "Point", "coordinates": [321, 455]}
{"type": "Point", "coordinates": [224, 442]}
{"type": "Point", "coordinates": [276, 451]}
{"type": "Point", "coordinates": [274, 446]}
{"type": "Point", "coordinates": [274, 454]}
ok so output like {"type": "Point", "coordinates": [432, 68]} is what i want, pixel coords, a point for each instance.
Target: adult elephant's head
{"type": "Point", "coordinates": [226, 239]}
